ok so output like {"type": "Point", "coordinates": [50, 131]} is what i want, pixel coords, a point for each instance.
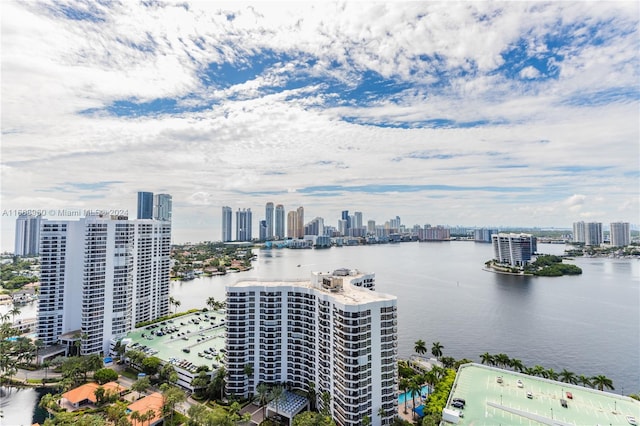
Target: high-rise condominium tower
{"type": "Point", "coordinates": [243, 225]}
{"type": "Point", "coordinates": [101, 275]}
{"type": "Point", "coordinates": [300, 222]}
{"type": "Point", "coordinates": [620, 234]}
{"type": "Point", "coordinates": [292, 224]}
{"type": "Point", "coordinates": [162, 206]}
{"type": "Point", "coordinates": [333, 331]}
{"type": "Point", "coordinates": [268, 217]}
{"type": "Point", "coordinates": [593, 233]}
{"type": "Point", "coordinates": [514, 249]}
{"type": "Point", "coordinates": [279, 226]}
{"type": "Point", "coordinates": [145, 205]}
{"type": "Point", "coordinates": [227, 214]}
{"type": "Point", "coordinates": [27, 235]}
{"type": "Point", "coordinates": [578, 232]}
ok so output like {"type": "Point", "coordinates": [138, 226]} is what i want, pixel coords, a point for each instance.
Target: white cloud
{"type": "Point", "coordinates": [250, 147]}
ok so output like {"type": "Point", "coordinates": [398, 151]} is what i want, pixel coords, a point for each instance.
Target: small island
{"type": "Point", "coordinates": [545, 265]}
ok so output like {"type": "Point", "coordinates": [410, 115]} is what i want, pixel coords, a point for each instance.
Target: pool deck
{"type": "Point", "coordinates": [490, 403]}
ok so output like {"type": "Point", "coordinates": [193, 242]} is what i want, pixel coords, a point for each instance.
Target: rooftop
{"type": "Point", "coordinates": [490, 403]}
{"type": "Point", "coordinates": [344, 293]}
{"type": "Point", "coordinates": [150, 402]}
{"type": "Point", "coordinates": [197, 332]}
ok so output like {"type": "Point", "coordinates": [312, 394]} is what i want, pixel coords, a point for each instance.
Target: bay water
{"type": "Point", "coordinates": [588, 324]}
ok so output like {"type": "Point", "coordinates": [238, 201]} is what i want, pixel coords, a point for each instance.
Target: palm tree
{"type": "Point", "coordinates": [502, 360]}
{"type": "Point", "coordinates": [539, 371]}
{"type": "Point", "coordinates": [248, 371]}
{"type": "Point", "coordinates": [436, 349]}
{"type": "Point", "coordinates": [420, 347]}
{"type": "Point", "coordinates": [516, 364]}
{"type": "Point", "coordinates": [585, 381]}
{"type": "Point", "coordinates": [212, 303]}
{"type": "Point", "coordinates": [381, 412]}
{"type": "Point", "coordinates": [278, 396]}
{"type": "Point", "coordinates": [404, 385]}
{"type": "Point", "coordinates": [601, 382]}
{"type": "Point", "coordinates": [14, 311]}
{"type": "Point", "coordinates": [263, 397]}
{"type": "Point", "coordinates": [366, 421]}
{"type": "Point", "coordinates": [311, 395]}
{"type": "Point", "coordinates": [487, 358]}
{"type": "Point", "coordinates": [567, 376]}
{"type": "Point", "coordinates": [414, 388]}
{"type": "Point", "coordinates": [551, 375]}
{"type": "Point", "coordinates": [325, 397]}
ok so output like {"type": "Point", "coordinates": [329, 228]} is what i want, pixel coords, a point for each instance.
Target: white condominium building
{"type": "Point", "coordinates": [514, 249]}
{"type": "Point", "coordinates": [332, 331]}
{"type": "Point", "coordinates": [101, 275]}
{"type": "Point", "coordinates": [620, 234]}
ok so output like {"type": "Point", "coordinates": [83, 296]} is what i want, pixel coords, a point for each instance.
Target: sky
{"type": "Point", "coordinates": [458, 113]}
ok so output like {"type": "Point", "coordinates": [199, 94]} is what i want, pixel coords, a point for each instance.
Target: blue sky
{"type": "Point", "coordinates": [466, 113]}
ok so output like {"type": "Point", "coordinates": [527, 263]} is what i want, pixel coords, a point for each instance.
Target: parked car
{"type": "Point", "coordinates": [499, 379]}
{"type": "Point", "coordinates": [632, 420]}
{"type": "Point", "coordinates": [519, 383]}
{"type": "Point", "coordinates": [459, 400]}
{"type": "Point", "coordinates": [569, 395]}
{"type": "Point", "coordinates": [457, 404]}
{"type": "Point", "coordinates": [563, 402]}
{"type": "Point", "coordinates": [529, 395]}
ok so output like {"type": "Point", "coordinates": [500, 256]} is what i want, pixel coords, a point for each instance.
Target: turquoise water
{"type": "Point", "coordinates": [407, 395]}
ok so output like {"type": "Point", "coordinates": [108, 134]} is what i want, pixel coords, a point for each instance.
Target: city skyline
{"type": "Point", "coordinates": [477, 114]}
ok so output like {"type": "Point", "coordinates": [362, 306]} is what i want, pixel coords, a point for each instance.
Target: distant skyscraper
{"type": "Point", "coordinates": [345, 216]}
{"type": "Point", "coordinates": [578, 232]}
{"type": "Point", "coordinates": [357, 218]}
{"type": "Point", "coordinates": [100, 276]}
{"type": "Point", "coordinates": [145, 205]}
{"type": "Point", "coordinates": [268, 217]}
{"type": "Point", "coordinates": [620, 234]}
{"type": "Point", "coordinates": [300, 222]}
{"type": "Point", "coordinates": [262, 230]}
{"type": "Point", "coordinates": [27, 239]}
{"type": "Point", "coordinates": [162, 207]}
{"type": "Point", "coordinates": [371, 227]}
{"type": "Point", "coordinates": [292, 224]}
{"type": "Point", "coordinates": [226, 224]}
{"type": "Point", "coordinates": [243, 225]}
{"type": "Point", "coordinates": [279, 226]}
{"type": "Point", "coordinates": [593, 233]}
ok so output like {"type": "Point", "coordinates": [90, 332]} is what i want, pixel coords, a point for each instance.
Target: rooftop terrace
{"type": "Point", "coordinates": [489, 402]}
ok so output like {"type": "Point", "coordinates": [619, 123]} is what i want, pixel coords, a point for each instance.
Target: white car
{"type": "Point", "coordinates": [632, 420]}
{"type": "Point", "coordinates": [519, 383]}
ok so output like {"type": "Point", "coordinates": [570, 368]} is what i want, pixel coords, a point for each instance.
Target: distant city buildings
{"type": "Point", "coordinates": [332, 331]}
{"type": "Point", "coordinates": [27, 239]}
{"type": "Point", "coordinates": [162, 206]}
{"type": "Point", "coordinates": [145, 205]}
{"type": "Point", "coordinates": [593, 234]}
{"type": "Point", "coordinates": [101, 275]}
{"type": "Point", "coordinates": [279, 222]}
{"type": "Point", "coordinates": [620, 234]}
{"type": "Point", "coordinates": [243, 225]}
{"type": "Point", "coordinates": [513, 249]}
{"type": "Point", "coordinates": [269, 219]}
{"type": "Point", "coordinates": [590, 233]}
{"type": "Point", "coordinates": [156, 207]}
{"type": "Point", "coordinates": [227, 215]}
{"type": "Point", "coordinates": [483, 235]}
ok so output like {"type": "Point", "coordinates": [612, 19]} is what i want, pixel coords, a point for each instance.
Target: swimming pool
{"type": "Point", "coordinates": [419, 410]}
{"type": "Point", "coordinates": [408, 397]}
